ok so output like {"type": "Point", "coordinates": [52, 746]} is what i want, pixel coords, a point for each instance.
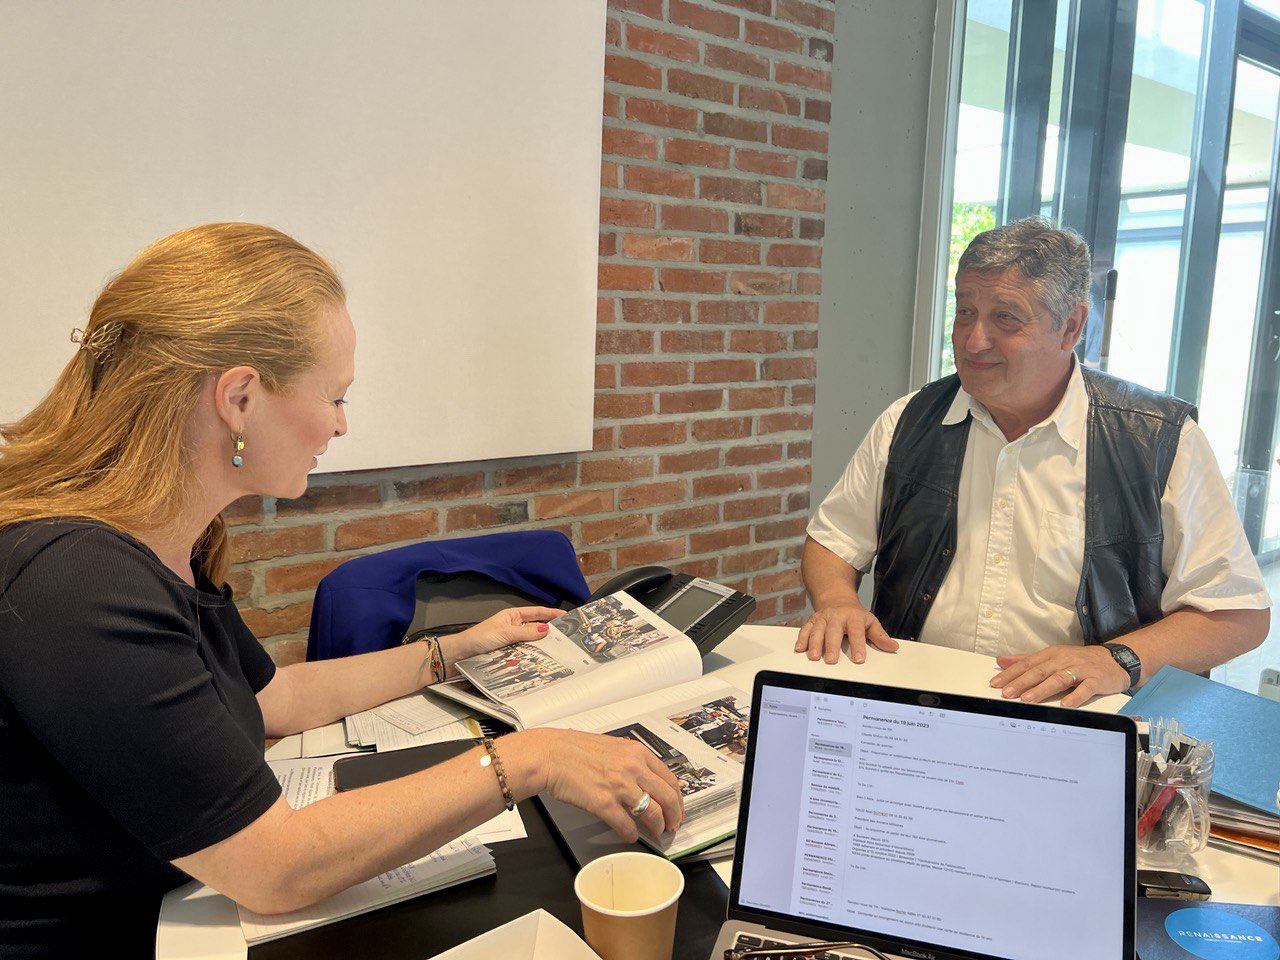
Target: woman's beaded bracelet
{"type": "Point", "coordinates": [491, 759]}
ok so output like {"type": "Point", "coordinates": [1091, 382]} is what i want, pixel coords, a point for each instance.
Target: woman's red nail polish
{"type": "Point", "coordinates": [543, 628]}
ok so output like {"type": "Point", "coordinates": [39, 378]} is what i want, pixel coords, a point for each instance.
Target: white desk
{"type": "Point", "coordinates": [1234, 878]}
{"type": "Point", "coordinates": [197, 924]}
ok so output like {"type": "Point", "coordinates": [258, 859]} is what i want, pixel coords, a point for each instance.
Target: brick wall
{"type": "Point", "coordinates": [711, 224]}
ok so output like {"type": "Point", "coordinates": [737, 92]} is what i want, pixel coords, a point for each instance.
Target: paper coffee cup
{"type": "Point", "coordinates": [629, 905]}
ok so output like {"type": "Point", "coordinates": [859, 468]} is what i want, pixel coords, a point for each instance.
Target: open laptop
{"type": "Point", "coordinates": [930, 825]}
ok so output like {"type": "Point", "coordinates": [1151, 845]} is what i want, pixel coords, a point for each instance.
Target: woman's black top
{"type": "Point", "coordinates": [130, 736]}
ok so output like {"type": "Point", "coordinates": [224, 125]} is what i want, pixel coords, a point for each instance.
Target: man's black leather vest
{"type": "Point", "coordinates": [1132, 436]}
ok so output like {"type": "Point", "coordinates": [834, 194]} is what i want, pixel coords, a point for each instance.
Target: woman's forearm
{"type": "Point", "coordinates": [324, 691]}
{"type": "Point", "coordinates": [327, 690]}
{"type": "Point", "coordinates": [289, 859]}
{"type": "Point", "coordinates": [349, 837]}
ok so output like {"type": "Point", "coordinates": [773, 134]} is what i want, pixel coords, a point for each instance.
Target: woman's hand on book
{"type": "Point", "coordinates": [608, 776]}
{"type": "Point", "coordinates": [513, 625]}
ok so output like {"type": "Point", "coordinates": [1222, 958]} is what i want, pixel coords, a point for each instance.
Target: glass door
{"type": "Point", "coordinates": [1238, 400]}
{"type": "Point", "coordinates": [1169, 63]}
{"type": "Point", "coordinates": [1228, 395]}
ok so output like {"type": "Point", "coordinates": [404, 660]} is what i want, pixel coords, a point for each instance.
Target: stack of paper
{"type": "Point", "coordinates": [420, 713]}
{"type": "Point", "coordinates": [359, 729]}
{"type": "Point", "coordinates": [410, 722]}
{"type": "Point", "coordinates": [327, 741]}
{"type": "Point", "coordinates": [723, 850]}
{"type": "Point", "coordinates": [1235, 826]}
{"type": "Point", "coordinates": [387, 736]}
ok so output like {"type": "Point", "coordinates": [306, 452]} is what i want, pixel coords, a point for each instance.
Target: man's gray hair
{"type": "Point", "coordinates": [1055, 260]}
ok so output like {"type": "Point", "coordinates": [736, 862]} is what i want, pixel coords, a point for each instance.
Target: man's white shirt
{"type": "Point", "coordinates": [1012, 584]}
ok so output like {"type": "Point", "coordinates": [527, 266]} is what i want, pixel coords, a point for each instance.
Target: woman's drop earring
{"type": "Point", "coordinates": [236, 459]}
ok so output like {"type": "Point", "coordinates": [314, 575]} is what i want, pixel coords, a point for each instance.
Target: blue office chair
{"type": "Point", "coordinates": [439, 586]}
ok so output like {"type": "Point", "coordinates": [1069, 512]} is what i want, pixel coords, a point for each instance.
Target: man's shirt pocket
{"type": "Point", "coordinates": [1059, 555]}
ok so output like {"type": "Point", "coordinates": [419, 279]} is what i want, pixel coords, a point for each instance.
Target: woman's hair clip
{"type": "Point", "coordinates": [99, 343]}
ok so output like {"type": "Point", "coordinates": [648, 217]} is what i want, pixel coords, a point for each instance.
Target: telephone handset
{"type": "Point", "coordinates": [704, 611]}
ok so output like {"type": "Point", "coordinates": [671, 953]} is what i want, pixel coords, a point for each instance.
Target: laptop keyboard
{"type": "Point", "coordinates": [748, 941]}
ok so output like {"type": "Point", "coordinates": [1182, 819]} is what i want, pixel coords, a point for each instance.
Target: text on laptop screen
{"type": "Point", "coordinates": [998, 836]}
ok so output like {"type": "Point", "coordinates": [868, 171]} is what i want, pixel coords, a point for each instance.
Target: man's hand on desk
{"type": "Point", "coordinates": [1084, 671]}
{"type": "Point", "coordinates": [826, 630]}
{"type": "Point", "coordinates": [513, 625]}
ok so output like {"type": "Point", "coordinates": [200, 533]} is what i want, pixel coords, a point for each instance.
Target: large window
{"type": "Point", "coordinates": [979, 134]}
{"type": "Point", "coordinates": [1150, 126]}
{"type": "Point", "coordinates": [1154, 175]}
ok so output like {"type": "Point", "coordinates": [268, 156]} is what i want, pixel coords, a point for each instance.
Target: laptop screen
{"type": "Point", "coordinates": [984, 828]}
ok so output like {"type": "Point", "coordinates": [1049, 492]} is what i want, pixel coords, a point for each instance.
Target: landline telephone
{"type": "Point", "coordinates": [705, 611]}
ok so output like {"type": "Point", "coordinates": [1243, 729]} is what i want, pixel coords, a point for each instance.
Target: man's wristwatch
{"type": "Point", "coordinates": [1128, 661]}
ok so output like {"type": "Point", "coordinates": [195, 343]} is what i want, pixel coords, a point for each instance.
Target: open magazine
{"type": "Point", "coordinates": [614, 667]}
{"type": "Point", "coordinates": [699, 730]}
{"type": "Point", "coordinates": [602, 652]}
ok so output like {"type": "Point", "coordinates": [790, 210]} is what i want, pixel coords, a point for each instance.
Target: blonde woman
{"type": "Point", "coordinates": [133, 699]}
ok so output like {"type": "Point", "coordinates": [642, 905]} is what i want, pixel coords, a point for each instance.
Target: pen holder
{"type": "Point", "coordinates": [1173, 809]}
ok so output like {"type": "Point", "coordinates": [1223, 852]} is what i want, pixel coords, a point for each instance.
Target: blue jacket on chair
{"type": "Point", "coordinates": [366, 604]}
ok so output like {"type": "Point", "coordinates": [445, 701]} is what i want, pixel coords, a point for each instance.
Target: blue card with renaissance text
{"type": "Point", "coordinates": [1179, 930]}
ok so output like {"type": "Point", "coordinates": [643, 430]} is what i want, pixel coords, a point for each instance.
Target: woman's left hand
{"type": "Point", "coordinates": [513, 625]}
{"type": "Point", "coordinates": [1086, 672]}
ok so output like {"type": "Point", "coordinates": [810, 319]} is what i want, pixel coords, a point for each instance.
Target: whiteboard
{"type": "Point", "coordinates": [443, 154]}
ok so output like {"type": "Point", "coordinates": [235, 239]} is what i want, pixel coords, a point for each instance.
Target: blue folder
{"type": "Point", "coordinates": [1244, 728]}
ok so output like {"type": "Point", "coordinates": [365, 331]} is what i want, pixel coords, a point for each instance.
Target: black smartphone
{"type": "Point", "coordinates": [1167, 885]}
{"type": "Point", "coordinates": [351, 773]}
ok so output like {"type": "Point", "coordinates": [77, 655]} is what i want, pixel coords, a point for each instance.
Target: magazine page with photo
{"type": "Point", "coordinates": [698, 729]}
{"type": "Point", "coordinates": [602, 652]}
{"type": "Point", "coordinates": [697, 783]}
{"type": "Point", "coordinates": [721, 724]}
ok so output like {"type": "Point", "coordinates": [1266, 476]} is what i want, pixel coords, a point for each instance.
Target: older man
{"type": "Point", "coordinates": [1070, 524]}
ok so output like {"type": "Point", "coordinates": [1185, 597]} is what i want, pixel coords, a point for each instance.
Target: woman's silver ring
{"type": "Point", "coordinates": [641, 805]}
{"type": "Point", "coordinates": [1072, 674]}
